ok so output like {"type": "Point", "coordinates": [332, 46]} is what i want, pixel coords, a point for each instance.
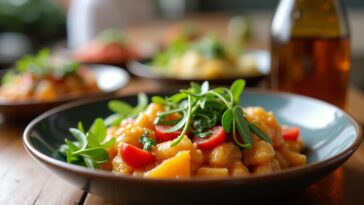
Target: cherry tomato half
{"type": "Point", "coordinates": [217, 137]}
{"type": "Point", "coordinates": [134, 156]}
{"type": "Point", "coordinates": [290, 133]}
{"type": "Point", "coordinates": [160, 131]}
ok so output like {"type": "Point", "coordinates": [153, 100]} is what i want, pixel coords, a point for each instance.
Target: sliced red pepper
{"type": "Point", "coordinates": [160, 131]}
{"type": "Point", "coordinates": [134, 156]}
{"type": "Point", "coordinates": [217, 137]}
{"type": "Point", "coordinates": [290, 133]}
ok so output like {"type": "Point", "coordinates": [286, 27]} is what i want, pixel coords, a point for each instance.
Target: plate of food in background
{"type": "Point", "coordinates": [207, 58]}
{"type": "Point", "coordinates": [110, 47]}
{"type": "Point", "coordinates": [40, 82]}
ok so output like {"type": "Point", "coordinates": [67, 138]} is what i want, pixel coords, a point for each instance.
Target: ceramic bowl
{"type": "Point", "coordinates": [331, 137]}
{"type": "Point", "coordinates": [109, 79]}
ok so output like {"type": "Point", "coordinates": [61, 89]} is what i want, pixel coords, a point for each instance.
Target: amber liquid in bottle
{"type": "Point", "coordinates": [316, 67]}
{"type": "Point", "coordinates": [310, 45]}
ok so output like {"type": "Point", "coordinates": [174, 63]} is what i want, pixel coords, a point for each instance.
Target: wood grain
{"type": "Point", "coordinates": [22, 180]}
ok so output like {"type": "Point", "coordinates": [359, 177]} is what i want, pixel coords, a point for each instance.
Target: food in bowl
{"type": "Point", "coordinates": [39, 77]}
{"type": "Point", "coordinates": [110, 47]}
{"type": "Point", "coordinates": [187, 31]}
{"type": "Point", "coordinates": [207, 58]}
{"type": "Point", "coordinates": [198, 132]}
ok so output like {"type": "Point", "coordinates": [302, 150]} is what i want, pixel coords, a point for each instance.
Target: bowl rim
{"type": "Point", "coordinates": [288, 173]}
{"type": "Point", "coordinates": [68, 97]}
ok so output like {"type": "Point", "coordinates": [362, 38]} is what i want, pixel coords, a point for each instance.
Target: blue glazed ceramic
{"type": "Point", "coordinates": [331, 137]}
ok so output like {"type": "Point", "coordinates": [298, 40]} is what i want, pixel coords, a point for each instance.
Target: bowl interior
{"type": "Point", "coordinates": [326, 130]}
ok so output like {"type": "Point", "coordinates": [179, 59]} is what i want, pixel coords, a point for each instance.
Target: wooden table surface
{"type": "Point", "coordinates": [24, 181]}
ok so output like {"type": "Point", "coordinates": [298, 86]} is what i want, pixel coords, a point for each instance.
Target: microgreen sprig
{"type": "Point", "coordinates": [202, 108]}
{"type": "Point", "coordinates": [89, 149]}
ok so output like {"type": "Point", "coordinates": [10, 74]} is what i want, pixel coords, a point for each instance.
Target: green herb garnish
{"type": "Point", "coordinates": [89, 149]}
{"type": "Point", "coordinates": [146, 141]}
{"type": "Point", "coordinates": [40, 65]}
{"type": "Point", "coordinates": [123, 110]}
{"type": "Point", "coordinates": [202, 108]}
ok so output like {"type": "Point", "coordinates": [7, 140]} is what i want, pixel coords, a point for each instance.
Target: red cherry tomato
{"type": "Point", "coordinates": [217, 137]}
{"type": "Point", "coordinates": [134, 156]}
{"type": "Point", "coordinates": [290, 133]}
{"type": "Point", "coordinates": [160, 131]}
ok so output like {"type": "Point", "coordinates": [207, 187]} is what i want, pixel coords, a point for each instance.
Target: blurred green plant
{"type": "Point", "coordinates": [40, 18]}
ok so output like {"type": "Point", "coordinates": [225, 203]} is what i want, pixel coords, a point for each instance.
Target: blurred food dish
{"type": "Point", "coordinates": [41, 78]}
{"type": "Point", "coordinates": [205, 59]}
{"type": "Point", "coordinates": [187, 31]}
{"type": "Point", "coordinates": [110, 47]}
{"type": "Point", "coordinates": [36, 85]}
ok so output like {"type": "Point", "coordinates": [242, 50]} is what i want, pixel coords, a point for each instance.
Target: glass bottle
{"type": "Point", "coordinates": [310, 45]}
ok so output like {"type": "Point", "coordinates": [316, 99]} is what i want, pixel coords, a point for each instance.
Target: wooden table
{"type": "Point", "coordinates": [24, 181]}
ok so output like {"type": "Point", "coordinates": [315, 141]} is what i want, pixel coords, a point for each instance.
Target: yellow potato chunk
{"type": "Point", "coordinates": [176, 167]}
{"type": "Point", "coordinates": [131, 134]}
{"type": "Point", "coordinates": [224, 154]}
{"type": "Point", "coordinates": [164, 150]}
{"type": "Point", "coordinates": [119, 167]}
{"type": "Point", "coordinates": [263, 168]}
{"type": "Point", "coordinates": [212, 172]}
{"type": "Point", "coordinates": [261, 152]}
{"type": "Point", "coordinates": [293, 158]}
{"type": "Point", "coordinates": [267, 123]}
{"type": "Point", "coordinates": [282, 162]}
{"type": "Point", "coordinates": [237, 168]}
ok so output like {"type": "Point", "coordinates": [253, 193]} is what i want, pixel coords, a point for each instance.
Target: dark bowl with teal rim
{"type": "Point", "coordinates": [109, 79]}
{"type": "Point", "coordinates": [331, 136]}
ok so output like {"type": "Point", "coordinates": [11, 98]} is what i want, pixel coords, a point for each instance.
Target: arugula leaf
{"type": "Point", "coordinates": [89, 149]}
{"type": "Point", "coordinates": [147, 142]}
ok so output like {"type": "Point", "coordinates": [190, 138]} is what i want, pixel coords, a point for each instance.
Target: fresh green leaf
{"type": "Point", "coordinates": [98, 154]}
{"type": "Point", "coordinates": [227, 120]}
{"type": "Point", "coordinates": [80, 137]}
{"type": "Point", "coordinates": [159, 100]}
{"type": "Point", "coordinates": [98, 128]}
{"type": "Point", "coordinates": [71, 146]}
{"type": "Point", "coordinates": [259, 133]}
{"type": "Point", "coordinates": [120, 107]}
{"type": "Point", "coordinates": [90, 163]}
{"type": "Point", "coordinates": [236, 89]}
{"type": "Point", "coordinates": [142, 103]}
{"type": "Point", "coordinates": [109, 143]}
{"type": "Point", "coordinates": [243, 127]}
{"type": "Point", "coordinates": [204, 87]}
{"type": "Point", "coordinates": [113, 120]}
{"type": "Point", "coordinates": [80, 127]}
